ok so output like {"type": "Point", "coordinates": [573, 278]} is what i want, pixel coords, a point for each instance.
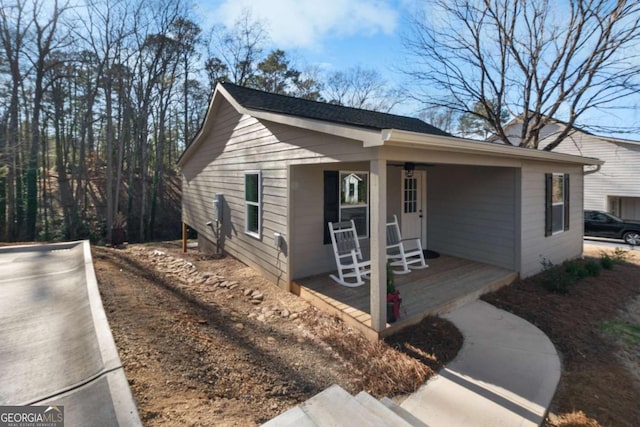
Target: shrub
{"type": "Point", "coordinates": [575, 269]}
{"type": "Point", "coordinates": [391, 281]}
{"type": "Point", "coordinates": [606, 261]}
{"type": "Point", "coordinates": [620, 256]}
{"type": "Point", "coordinates": [556, 279]}
{"type": "Point", "coordinates": [593, 268]}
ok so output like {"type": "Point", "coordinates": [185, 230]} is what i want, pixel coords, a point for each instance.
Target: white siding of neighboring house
{"type": "Point", "coordinates": [618, 177]}
{"type": "Point", "coordinates": [630, 208]}
{"type": "Point", "coordinates": [558, 247]}
{"type": "Point", "coordinates": [239, 143]}
{"type": "Point", "coordinates": [471, 213]}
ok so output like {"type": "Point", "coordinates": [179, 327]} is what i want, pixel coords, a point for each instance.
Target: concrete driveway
{"type": "Point", "coordinates": [609, 243]}
{"type": "Point", "coordinates": [56, 347]}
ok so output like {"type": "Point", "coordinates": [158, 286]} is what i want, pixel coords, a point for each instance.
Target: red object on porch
{"type": "Point", "coordinates": [396, 300]}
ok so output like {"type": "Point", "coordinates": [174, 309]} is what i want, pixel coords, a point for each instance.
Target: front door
{"type": "Point", "coordinates": [414, 219]}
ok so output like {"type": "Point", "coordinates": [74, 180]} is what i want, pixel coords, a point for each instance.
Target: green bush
{"type": "Point", "coordinates": [391, 281]}
{"type": "Point", "coordinates": [593, 268]}
{"type": "Point", "coordinates": [606, 261]}
{"type": "Point", "coordinates": [556, 279]}
{"type": "Point", "coordinates": [575, 269]}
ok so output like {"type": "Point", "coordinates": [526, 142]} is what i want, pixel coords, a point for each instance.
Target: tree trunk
{"type": "Point", "coordinates": [32, 168]}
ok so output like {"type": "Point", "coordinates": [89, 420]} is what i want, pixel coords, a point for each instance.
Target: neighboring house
{"type": "Point", "coordinates": [285, 167]}
{"type": "Point", "coordinates": [351, 185]}
{"type": "Point", "coordinates": [613, 187]}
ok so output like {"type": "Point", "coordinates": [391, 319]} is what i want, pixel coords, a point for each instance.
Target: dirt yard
{"type": "Point", "coordinates": [209, 342]}
{"type": "Point", "coordinates": [596, 330]}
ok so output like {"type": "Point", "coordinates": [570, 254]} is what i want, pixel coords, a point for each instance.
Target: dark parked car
{"type": "Point", "coordinates": [601, 224]}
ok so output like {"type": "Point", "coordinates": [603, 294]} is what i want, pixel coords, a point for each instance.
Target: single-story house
{"type": "Point", "coordinates": [274, 170]}
{"type": "Point", "coordinates": [613, 187]}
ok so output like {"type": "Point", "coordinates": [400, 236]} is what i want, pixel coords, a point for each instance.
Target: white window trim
{"type": "Point", "coordinates": [368, 205]}
{"type": "Point", "coordinates": [247, 203]}
{"type": "Point", "coordinates": [564, 183]}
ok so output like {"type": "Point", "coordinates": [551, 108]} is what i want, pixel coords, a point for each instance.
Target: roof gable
{"type": "Point", "coordinates": [281, 104]}
{"type": "Point", "coordinates": [371, 128]}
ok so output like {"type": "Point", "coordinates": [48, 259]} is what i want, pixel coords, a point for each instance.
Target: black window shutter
{"type": "Point", "coordinates": [567, 211]}
{"type": "Point", "coordinates": [548, 196]}
{"type": "Point", "coordinates": [331, 201]}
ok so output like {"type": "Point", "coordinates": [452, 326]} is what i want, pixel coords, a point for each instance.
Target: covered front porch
{"type": "Point", "coordinates": [448, 283]}
{"type": "Point", "coordinates": [466, 211]}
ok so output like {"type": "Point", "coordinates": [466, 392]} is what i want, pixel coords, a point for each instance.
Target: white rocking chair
{"type": "Point", "coordinates": [346, 249]}
{"type": "Point", "coordinates": [399, 254]}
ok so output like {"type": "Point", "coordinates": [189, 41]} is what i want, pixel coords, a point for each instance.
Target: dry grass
{"type": "Point", "coordinates": [573, 419]}
{"type": "Point", "coordinates": [398, 365]}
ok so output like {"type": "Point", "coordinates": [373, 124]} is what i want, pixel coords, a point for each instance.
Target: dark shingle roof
{"type": "Point", "coordinates": [258, 100]}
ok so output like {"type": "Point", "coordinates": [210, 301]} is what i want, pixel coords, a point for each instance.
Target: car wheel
{"type": "Point", "coordinates": [632, 238]}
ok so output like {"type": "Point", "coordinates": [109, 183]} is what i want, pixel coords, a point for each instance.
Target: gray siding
{"type": "Point", "coordinates": [312, 256]}
{"type": "Point", "coordinates": [471, 213]}
{"type": "Point", "coordinates": [234, 144]}
{"type": "Point", "coordinates": [558, 247]}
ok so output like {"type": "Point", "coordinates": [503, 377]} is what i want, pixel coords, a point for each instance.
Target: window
{"type": "Point", "coordinates": [615, 205]}
{"type": "Point", "coordinates": [556, 203]}
{"type": "Point", "coordinates": [354, 200]}
{"type": "Point", "coordinates": [410, 195]}
{"type": "Point", "coordinates": [346, 197]}
{"type": "Point", "coordinates": [253, 203]}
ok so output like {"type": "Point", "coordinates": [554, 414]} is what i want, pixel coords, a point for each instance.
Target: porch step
{"type": "Point", "coordinates": [382, 411]}
{"type": "Point", "coordinates": [336, 407]}
{"type": "Point", "coordinates": [403, 413]}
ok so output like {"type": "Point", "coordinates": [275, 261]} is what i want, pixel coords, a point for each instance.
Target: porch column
{"type": "Point", "coordinates": [378, 244]}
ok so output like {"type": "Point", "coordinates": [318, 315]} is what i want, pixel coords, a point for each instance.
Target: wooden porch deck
{"type": "Point", "coordinates": [449, 282]}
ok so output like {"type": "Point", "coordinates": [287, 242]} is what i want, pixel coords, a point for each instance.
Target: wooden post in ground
{"type": "Point", "coordinates": [184, 237]}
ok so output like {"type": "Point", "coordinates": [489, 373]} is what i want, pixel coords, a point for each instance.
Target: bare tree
{"type": "Point", "coordinates": [477, 125]}
{"type": "Point", "coordinates": [13, 33]}
{"type": "Point", "coordinates": [237, 50]}
{"type": "Point", "coordinates": [156, 65]}
{"type": "Point", "coordinates": [442, 118]}
{"type": "Point", "coordinates": [187, 34]}
{"type": "Point", "coordinates": [309, 84]}
{"type": "Point", "coordinates": [105, 30]}
{"type": "Point", "coordinates": [361, 88]}
{"type": "Point", "coordinates": [538, 59]}
{"type": "Point", "coordinates": [46, 41]}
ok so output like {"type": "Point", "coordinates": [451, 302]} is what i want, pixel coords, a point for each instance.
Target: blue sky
{"type": "Point", "coordinates": [332, 34]}
{"type": "Point", "coordinates": [340, 34]}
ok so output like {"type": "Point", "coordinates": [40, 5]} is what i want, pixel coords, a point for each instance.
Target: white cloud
{"type": "Point", "coordinates": [306, 23]}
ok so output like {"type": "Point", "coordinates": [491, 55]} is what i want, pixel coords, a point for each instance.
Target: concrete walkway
{"type": "Point", "coordinates": [505, 374]}
{"type": "Point", "coordinates": [56, 347]}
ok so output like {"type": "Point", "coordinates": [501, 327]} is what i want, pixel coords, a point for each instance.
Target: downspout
{"type": "Point", "coordinates": [589, 172]}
